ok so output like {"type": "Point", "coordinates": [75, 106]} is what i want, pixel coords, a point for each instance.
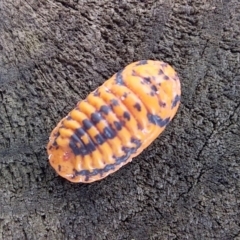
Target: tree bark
{"type": "Point", "coordinates": [186, 185]}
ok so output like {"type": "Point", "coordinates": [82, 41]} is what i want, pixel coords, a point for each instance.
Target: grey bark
{"type": "Point", "coordinates": [186, 185]}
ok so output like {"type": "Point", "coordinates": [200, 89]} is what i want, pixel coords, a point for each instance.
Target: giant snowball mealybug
{"type": "Point", "coordinates": [116, 122]}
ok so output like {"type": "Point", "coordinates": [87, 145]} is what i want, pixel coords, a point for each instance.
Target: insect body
{"type": "Point", "coordinates": [116, 122]}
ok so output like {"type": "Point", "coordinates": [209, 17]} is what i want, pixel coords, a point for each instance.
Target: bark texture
{"type": "Point", "coordinates": [186, 185]}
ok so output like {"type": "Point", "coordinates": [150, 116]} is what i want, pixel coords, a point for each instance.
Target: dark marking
{"type": "Point", "coordinates": [134, 73]}
{"type": "Point", "coordinates": [125, 95]}
{"type": "Point", "coordinates": [77, 139]}
{"type": "Point", "coordinates": [175, 101]}
{"type": "Point", "coordinates": [76, 143]}
{"type": "Point", "coordinates": [109, 167]}
{"type": "Point", "coordinates": [68, 118]}
{"type": "Point", "coordinates": [126, 115]}
{"type": "Point", "coordinates": [114, 102]}
{"type": "Point", "coordinates": [160, 72]}
{"type": "Point", "coordinates": [139, 126]}
{"type": "Point", "coordinates": [95, 172]}
{"type": "Point", "coordinates": [99, 139]}
{"type": "Point", "coordinates": [80, 132]}
{"type": "Point", "coordinates": [166, 77]}
{"type": "Point", "coordinates": [147, 80]}
{"type": "Point", "coordinates": [83, 150]}
{"type": "Point", "coordinates": [137, 142]}
{"type": "Point", "coordinates": [87, 124]}
{"type": "Point", "coordinates": [137, 106]}
{"type": "Point", "coordinates": [57, 134]}
{"type": "Point", "coordinates": [96, 118]}
{"type": "Point", "coordinates": [105, 109]}
{"type": "Point", "coordinates": [119, 79]}
{"type": "Point", "coordinates": [109, 133]}
{"type": "Point", "coordinates": [128, 150]}
{"type": "Point", "coordinates": [162, 104]}
{"type": "Point", "coordinates": [55, 143]}
{"type": "Point", "coordinates": [154, 88]}
{"type": "Point", "coordinates": [142, 62]}
{"type": "Point", "coordinates": [155, 119]}
{"type": "Point", "coordinates": [59, 168]}
{"type": "Point", "coordinates": [90, 146]}
{"type": "Point", "coordinates": [117, 125]}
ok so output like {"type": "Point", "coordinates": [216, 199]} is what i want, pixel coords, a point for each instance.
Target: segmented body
{"type": "Point", "coordinates": [115, 122]}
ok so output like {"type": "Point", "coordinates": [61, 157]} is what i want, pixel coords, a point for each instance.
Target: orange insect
{"type": "Point", "coordinates": [116, 122]}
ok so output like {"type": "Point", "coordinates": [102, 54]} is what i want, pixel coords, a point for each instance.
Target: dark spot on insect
{"type": "Point", "coordinates": [128, 151]}
{"type": "Point", "coordinates": [160, 72]}
{"type": "Point", "coordinates": [126, 115]}
{"type": "Point", "coordinates": [96, 118]}
{"type": "Point", "coordinates": [90, 146]}
{"type": "Point", "coordinates": [117, 125]}
{"type": "Point", "coordinates": [83, 150]}
{"type": "Point", "coordinates": [80, 132]}
{"type": "Point", "coordinates": [50, 147]}
{"type": "Point", "coordinates": [77, 139]}
{"type": "Point", "coordinates": [137, 142]}
{"type": "Point", "coordinates": [119, 78]}
{"type": "Point", "coordinates": [105, 109]}
{"type": "Point", "coordinates": [114, 102]}
{"type": "Point", "coordinates": [99, 139]}
{"type": "Point", "coordinates": [87, 124]}
{"type": "Point", "coordinates": [59, 168]}
{"type": "Point", "coordinates": [147, 80]}
{"type": "Point", "coordinates": [162, 104]}
{"type": "Point", "coordinates": [125, 95]}
{"type": "Point", "coordinates": [109, 167]}
{"type": "Point", "coordinates": [137, 106]}
{"type": "Point", "coordinates": [142, 62]}
{"type": "Point", "coordinates": [56, 134]}
{"type": "Point", "coordinates": [154, 88]}
{"type": "Point", "coordinates": [166, 77]}
{"type": "Point", "coordinates": [109, 133]}
{"type": "Point", "coordinates": [139, 126]}
{"type": "Point", "coordinates": [95, 172]}
{"type": "Point", "coordinates": [152, 93]}
{"type": "Point", "coordinates": [55, 143]}
{"type": "Point", "coordinates": [155, 119]}
{"type": "Point", "coordinates": [175, 101]}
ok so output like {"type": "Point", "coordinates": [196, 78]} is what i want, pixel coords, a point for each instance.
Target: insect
{"type": "Point", "coordinates": [116, 122]}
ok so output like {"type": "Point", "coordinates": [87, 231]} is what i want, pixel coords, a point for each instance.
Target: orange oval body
{"type": "Point", "coordinates": [116, 122]}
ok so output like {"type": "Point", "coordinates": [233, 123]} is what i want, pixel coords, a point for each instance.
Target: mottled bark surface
{"type": "Point", "coordinates": [186, 185]}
